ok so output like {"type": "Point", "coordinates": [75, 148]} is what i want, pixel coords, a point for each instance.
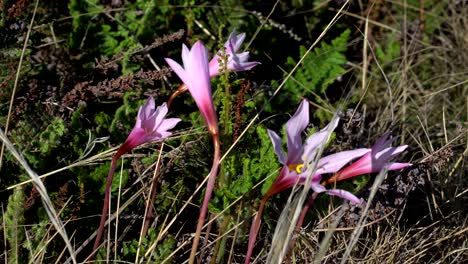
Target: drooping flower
{"type": "Point", "coordinates": [374, 161]}
{"type": "Point", "coordinates": [236, 61]}
{"type": "Point", "coordinates": [150, 125]}
{"type": "Point", "coordinates": [296, 166]}
{"type": "Point", "coordinates": [196, 76]}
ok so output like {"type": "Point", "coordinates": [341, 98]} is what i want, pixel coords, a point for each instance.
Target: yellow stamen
{"type": "Point", "coordinates": [299, 168]}
{"type": "Point", "coordinates": [296, 167]}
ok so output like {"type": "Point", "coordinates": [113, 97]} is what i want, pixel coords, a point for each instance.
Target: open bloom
{"type": "Point", "coordinates": [236, 61]}
{"type": "Point", "coordinates": [150, 125]}
{"type": "Point", "coordinates": [374, 161]}
{"type": "Point", "coordinates": [196, 76]}
{"type": "Point", "coordinates": [296, 166]}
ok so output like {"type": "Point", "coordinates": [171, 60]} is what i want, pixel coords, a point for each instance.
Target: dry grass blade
{"type": "Point", "coordinates": [53, 216]}
{"type": "Point", "coordinates": [15, 85]}
{"type": "Point", "coordinates": [362, 221]}
{"type": "Point", "coordinates": [287, 222]}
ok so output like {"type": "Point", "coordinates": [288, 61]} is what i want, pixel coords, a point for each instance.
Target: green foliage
{"type": "Point", "coordinates": [389, 51]}
{"type": "Point", "coordinates": [99, 175]}
{"type": "Point", "coordinates": [14, 220]}
{"type": "Point", "coordinates": [162, 251]}
{"type": "Point", "coordinates": [125, 115]}
{"type": "Point", "coordinates": [434, 10]}
{"type": "Point", "coordinates": [37, 241]}
{"type": "Point", "coordinates": [245, 170]}
{"type": "Point", "coordinates": [319, 69]}
{"type": "Point", "coordinates": [50, 138]}
{"type": "Point", "coordinates": [227, 97]}
{"type": "Point", "coordinates": [136, 24]}
{"type": "Point", "coordinates": [39, 143]}
{"type": "Point", "coordinates": [227, 16]}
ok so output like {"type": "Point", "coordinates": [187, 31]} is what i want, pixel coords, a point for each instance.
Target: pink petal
{"type": "Point", "coordinates": [195, 75]}
{"type": "Point", "coordinates": [397, 166]}
{"type": "Point", "coordinates": [315, 183]}
{"type": "Point", "coordinates": [294, 128]}
{"type": "Point", "coordinates": [345, 195]}
{"type": "Point", "coordinates": [168, 124]}
{"type": "Point", "coordinates": [276, 140]}
{"type": "Point", "coordinates": [317, 139]}
{"type": "Point", "coordinates": [235, 40]}
{"type": "Point", "coordinates": [160, 113]}
{"type": "Point", "coordinates": [136, 137]}
{"type": "Point", "coordinates": [178, 70]}
{"type": "Point", "coordinates": [388, 153]}
{"type": "Point", "coordinates": [333, 163]}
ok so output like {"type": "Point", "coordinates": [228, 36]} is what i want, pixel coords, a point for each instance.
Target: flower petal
{"type": "Point", "coordinates": [397, 166]}
{"type": "Point", "coordinates": [317, 139]}
{"type": "Point", "coordinates": [168, 124]}
{"type": "Point", "coordinates": [333, 163]}
{"type": "Point", "coordinates": [345, 195]}
{"type": "Point", "coordinates": [388, 153]}
{"type": "Point", "coordinates": [294, 128]}
{"type": "Point", "coordinates": [158, 115]}
{"type": "Point", "coordinates": [178, 70]}
{"type": "Point", "coordinates": [196, 77]}
{"type": "Point", "coordinates": [276, 141]}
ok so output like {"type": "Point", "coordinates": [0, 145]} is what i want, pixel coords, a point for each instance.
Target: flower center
{"type": "Point", "coordinates": [296, 167]}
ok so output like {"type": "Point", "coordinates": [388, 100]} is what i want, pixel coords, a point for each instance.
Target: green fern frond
{"type": "Point", "coordinates": [319, 69]}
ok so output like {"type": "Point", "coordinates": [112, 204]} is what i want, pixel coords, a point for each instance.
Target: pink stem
{"type": "Point", "coordinates": [254, 229]}
{"type": "Point", "coordinates": [182, 89]}
{"type": "Point", "coordinates": [300, 221]}
{"type": "Point", "coordinates": [304, 211]}
{"type": "Point", "coordinates": [105, 206]}
{"type": "Point", "coordinates": [206, 200]}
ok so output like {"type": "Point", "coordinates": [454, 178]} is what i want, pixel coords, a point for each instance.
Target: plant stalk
{"type": "Point", "coordinates": [105, 206]}
{"type": "Point", "coordinates": [206, 199]}
{"type": "Point", "coordinates": [255, 228]}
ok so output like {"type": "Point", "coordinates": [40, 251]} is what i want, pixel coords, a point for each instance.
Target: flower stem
{"type": "Point", "coordinates": [105, 206]}
{"type": "Point", "coordinates": [182, 89]}
{"type": "Point", "coordinates": [305, 209]}
{"type": "Point", "coordinates": [206, 199]}
{"type": "Point", "coordinates": [255, 228]}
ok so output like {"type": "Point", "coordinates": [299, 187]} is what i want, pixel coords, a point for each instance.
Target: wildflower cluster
{"type": "Point", "coordinates": [300, 164]}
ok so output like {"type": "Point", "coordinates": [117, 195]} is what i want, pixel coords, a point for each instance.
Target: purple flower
{"type": "Point", "coordinates": [296, 164]}
{"type": "Point", "coordinates": [196, 76]}
{"type": "Point", "coordinates": [150, 126]}
{"type": "Point", "coordinates": [374, 161]}
{"type": "Point", "coordinates": [236, 61]}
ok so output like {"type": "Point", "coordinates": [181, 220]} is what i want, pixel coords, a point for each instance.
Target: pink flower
{"type": "Point", "coordinates": [374, 161]}
{"type": "Point", "coordinates": [236, 61]}
{"type": "Point", "coordinates": [195, 74]}
{"type": "Point", "coordinates": [296, 165]}
{"type": "Point", "coordinates": [150, 126]}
